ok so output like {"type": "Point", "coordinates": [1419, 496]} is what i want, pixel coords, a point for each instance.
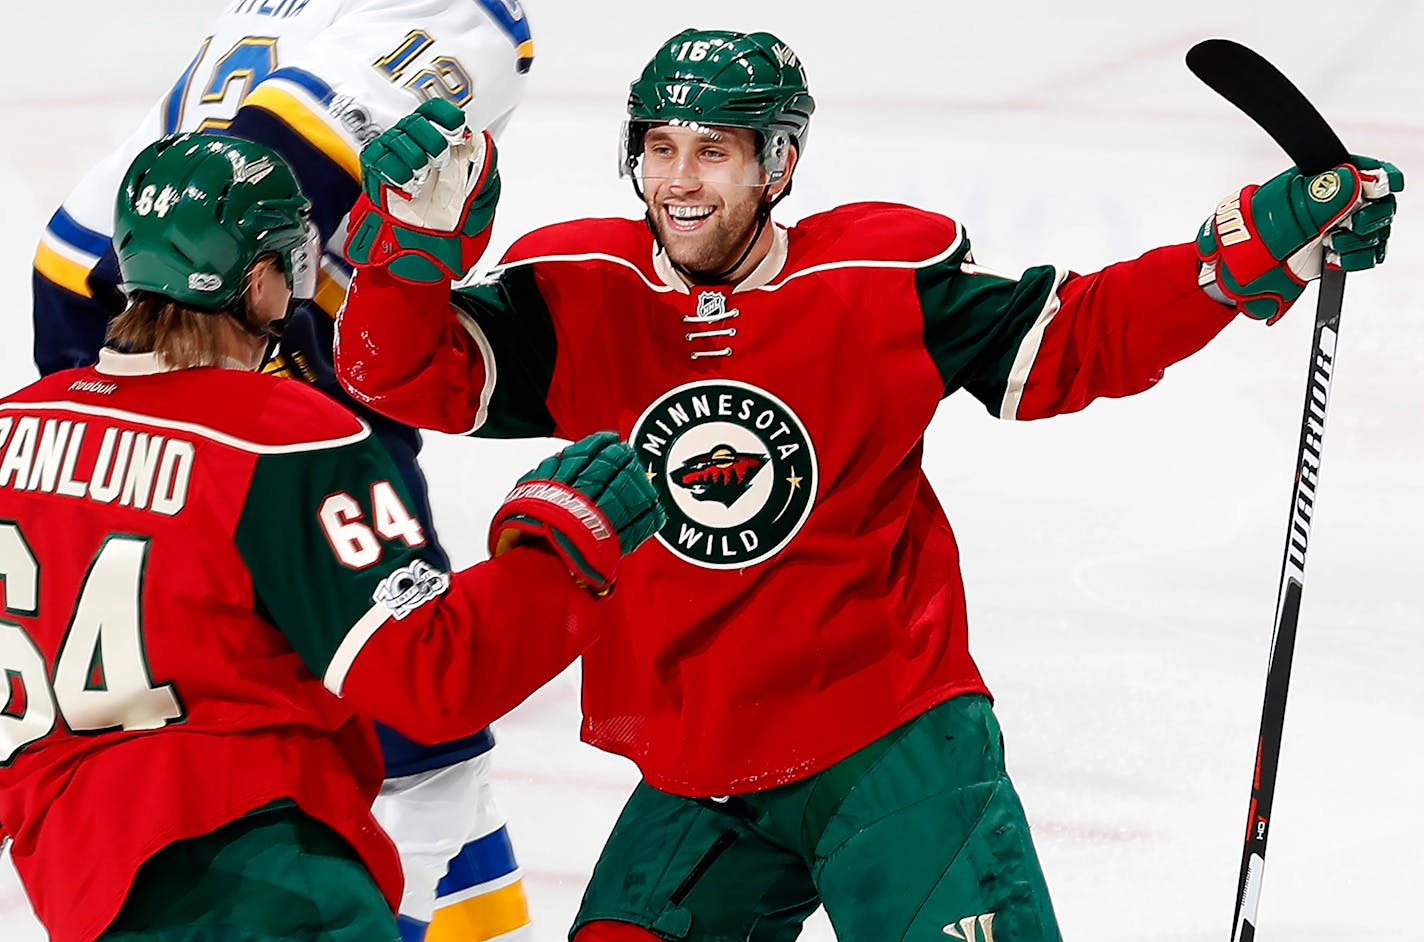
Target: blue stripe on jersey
{"type": "Point", "coordinates": [69, 329]}
{"type": "Point", "coordinates": [411, 930]}
{"type": "Point", "coordinates": [480, 861]}
{"type": "Point", "coordinates": [72, 233]}
{"type": "Point", "coordinates": [405, 756]}
{"type": "Point", "coordinates": [314, 86]}
{"type": "Point", "coordinates": [510, 17]}
{"type": "Point", "coordinates": [173, 104]}
{"type": "Point", "coordinates": [338, 261]}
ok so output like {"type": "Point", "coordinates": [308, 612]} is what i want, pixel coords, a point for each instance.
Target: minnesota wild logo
{"type": "Point", "coordinates": [734, 467]}
{"type": "Point", "coordinates": [722, 474]}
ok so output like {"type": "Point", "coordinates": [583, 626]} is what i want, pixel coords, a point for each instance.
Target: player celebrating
{"type": "Point", "coordinates": [791, 673]}
{"type": "Point", "coordinates": [315, 80]}
{"type": "Point", "coordinates": [210, 575]}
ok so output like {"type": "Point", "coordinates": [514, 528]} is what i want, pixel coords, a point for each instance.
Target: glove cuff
{"type": "Point", "coordinates": [1237, 265]}
{"type": "Point", "coordinates": [420, 257]}
{"type": "Point", "coordinates": [574, 526]}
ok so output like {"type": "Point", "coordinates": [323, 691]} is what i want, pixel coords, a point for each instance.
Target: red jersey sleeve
{"type": "Point", "coordinates": [341, 566]}
{"type": "Point", "coordinates": [1050, 341]}
{"type": "Point", "coordinates": [1113, 334]}
{"type": "Point", "coordinates": [402, 349]}
{"type": "Point", "coordinates": [451, 667]}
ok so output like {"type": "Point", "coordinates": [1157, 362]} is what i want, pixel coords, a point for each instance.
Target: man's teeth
{"type": "Point", "coordinates": [689, 212]}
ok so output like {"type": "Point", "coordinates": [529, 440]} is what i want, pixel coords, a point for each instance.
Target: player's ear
{"type": "Point", "coordinates": [263, 279]}
{"type": "Point", "coordinates": [256, 277]}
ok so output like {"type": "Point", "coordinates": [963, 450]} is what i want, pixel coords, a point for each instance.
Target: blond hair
{"type": "Point", "coordinates": [182, 336]}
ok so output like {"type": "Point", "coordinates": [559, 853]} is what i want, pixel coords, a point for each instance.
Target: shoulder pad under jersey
{"type": "Point", "coordinates": [251, 411]}
{"type": "Point", "coordinates": [874, 232]}
{"type": "Point", "coordinates": [626, 241]}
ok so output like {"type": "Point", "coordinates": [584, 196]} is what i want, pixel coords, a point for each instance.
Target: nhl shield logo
{"type": "Point", "coordinates": [712, 306]}
{"type": "Point", "coordinates": [734, 467]}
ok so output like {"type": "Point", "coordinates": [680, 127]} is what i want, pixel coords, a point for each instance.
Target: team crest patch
{"type": "Point", "coordinates": [734, 468]}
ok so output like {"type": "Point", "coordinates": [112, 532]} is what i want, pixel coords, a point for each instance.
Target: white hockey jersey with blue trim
{"type": "Point", "coordinates": [337, 72]}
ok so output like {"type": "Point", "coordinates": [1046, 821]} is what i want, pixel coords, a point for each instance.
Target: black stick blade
{"type": "Point", "coordinates": [1268, 98]}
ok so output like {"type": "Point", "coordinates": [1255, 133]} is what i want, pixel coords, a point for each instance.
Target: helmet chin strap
{"type": "Point", "coordinates": [725, 275]}
{"type": "Point", "coordinates": [240, 310]}
{"type": "Point", "coordinates": [271, 332]}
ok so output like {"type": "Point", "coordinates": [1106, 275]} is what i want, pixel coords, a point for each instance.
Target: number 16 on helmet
{"type": "Point", "coordinates": [709, 78]}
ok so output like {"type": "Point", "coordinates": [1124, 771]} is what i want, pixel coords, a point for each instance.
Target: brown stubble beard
{"type": "Point", "coordinates": [707, 254]}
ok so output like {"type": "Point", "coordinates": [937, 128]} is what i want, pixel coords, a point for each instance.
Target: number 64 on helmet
{"type": "Point", "coordinates": [196, 210]}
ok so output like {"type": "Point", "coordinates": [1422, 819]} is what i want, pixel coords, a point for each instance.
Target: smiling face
{"type": "Point", "coordinates": [703, 187]}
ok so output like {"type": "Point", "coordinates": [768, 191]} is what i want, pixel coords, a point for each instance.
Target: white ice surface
{"type": "Point", "coordinates": [1121, 563]}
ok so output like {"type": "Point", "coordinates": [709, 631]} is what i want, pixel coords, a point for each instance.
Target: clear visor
{"type": "Point", "coordinates": [689, 152]}
{"type": "Point", "coordinates": [303, 263]}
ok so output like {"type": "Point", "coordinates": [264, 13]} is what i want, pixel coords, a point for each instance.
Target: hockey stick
{"type": "Point", "coordinates": [1267, 97]}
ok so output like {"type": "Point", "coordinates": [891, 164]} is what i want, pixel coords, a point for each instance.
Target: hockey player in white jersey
{"type": "Point", "coordinates": [315, 80]}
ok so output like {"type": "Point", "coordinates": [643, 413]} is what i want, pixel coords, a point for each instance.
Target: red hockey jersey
{"type": "Point", "coordinates": [208, 574]}
{"type": "Point", "coordinates": [804, 597]}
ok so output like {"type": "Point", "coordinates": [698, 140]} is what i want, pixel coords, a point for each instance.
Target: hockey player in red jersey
{"type": "Point", "coordinates": [791, 672]}
{"type": "Point", "coordinates": [314, 80]}
{"type": "Point", "coordinates": [212, 580]}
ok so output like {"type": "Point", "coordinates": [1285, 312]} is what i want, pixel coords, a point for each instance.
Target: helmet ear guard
{"type": "Point", "coordinates": [298, 253]}
{"type": "Point", "coordinates": [302, 264]}
{"type": "Point", "coordinates": [305, 265]}
{"type": "Point", "coordinates": [775, 155]}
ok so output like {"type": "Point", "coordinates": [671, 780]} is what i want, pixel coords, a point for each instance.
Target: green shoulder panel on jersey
{"type": "Point", "coordinates": [513, 325]}
{"type": "Point", "coordinates": [320, 532]}
{"type": "Point", "coordinates": [977, 321]}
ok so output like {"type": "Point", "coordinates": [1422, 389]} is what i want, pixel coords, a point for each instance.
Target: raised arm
{"type": "Point", "coordinates": [429, 189]}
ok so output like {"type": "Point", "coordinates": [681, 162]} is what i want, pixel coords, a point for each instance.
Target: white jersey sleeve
{"type": "Point", "coordinates": [315, 79]}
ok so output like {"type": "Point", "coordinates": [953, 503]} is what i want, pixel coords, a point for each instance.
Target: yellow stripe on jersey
{"type": "Point", "coordinates": [277, 366]}
{"type": "Point", "coordinates": [481, 917]}
{"type": "Point", "coordinates": [64, 272]}
{"type": "Point", "coordinates": [525, 49]}
{"type": "Point", "coordinates": [292, 111]}
{"type": "Point", "coordinates": [330, 294]}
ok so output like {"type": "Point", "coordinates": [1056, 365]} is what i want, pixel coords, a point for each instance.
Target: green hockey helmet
{"type": "Point", "coordinates": [196, 210]}
{"type": "Point", "coordinates": [707, 78]}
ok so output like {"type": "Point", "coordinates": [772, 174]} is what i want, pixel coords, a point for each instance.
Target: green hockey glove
{"type": "Point", "coordinates": [591, 501]}
{"type": "Point", "coordinates": [1262, 245]}
{"type": "Point", "coordinates": [429, 188]}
